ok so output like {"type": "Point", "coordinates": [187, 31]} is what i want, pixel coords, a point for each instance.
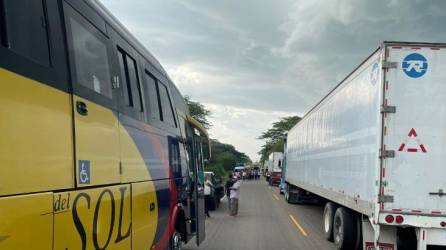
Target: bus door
{"type": "Point", "coordinates": [95, 85]}
{"type": "Point", "coordinates": [197, 162]}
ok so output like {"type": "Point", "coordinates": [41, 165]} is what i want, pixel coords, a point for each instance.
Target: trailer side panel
{"type": "Point", "coordinates": [333, 151]}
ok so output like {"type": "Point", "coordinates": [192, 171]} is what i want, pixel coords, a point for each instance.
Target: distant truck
{"type": "Point", "coordinates": [275, 168]}
{"type": "Point", "coordinates": [374, 150]}
{"type": "Point", "coordinates": [239, 169]}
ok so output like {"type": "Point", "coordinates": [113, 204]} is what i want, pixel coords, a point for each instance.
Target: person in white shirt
{"type": "Point", "coordinates": [235, 193]}
{"type": "Point", "coordinates": [207, 195]}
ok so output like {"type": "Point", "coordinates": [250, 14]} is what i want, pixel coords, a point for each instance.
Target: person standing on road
{"type": "Point", "coordinates": [235, 193]}
{"type": "Point", "coordinates": [228, 186]}
{"type": "Point", "coordinates": [207, 195]}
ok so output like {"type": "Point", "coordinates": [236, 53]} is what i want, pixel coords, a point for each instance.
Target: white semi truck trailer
{"type": "Point", "coordinates": [275, 168]}
{"type": "Point", "coordinates": [374, 149]}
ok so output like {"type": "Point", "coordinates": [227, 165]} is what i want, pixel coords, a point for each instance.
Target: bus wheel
{"type": "Point", "coordinates": [344, 229]}
{"type": "Point", "coordinates": [175, 241]}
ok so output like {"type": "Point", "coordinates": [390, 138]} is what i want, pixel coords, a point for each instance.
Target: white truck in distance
{"type": "Point", "coordinates": [275, 168]}
{"type": "Point", "coordinates": [374, 149]}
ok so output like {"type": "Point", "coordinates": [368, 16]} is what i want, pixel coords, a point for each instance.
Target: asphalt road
{"type": "Point", "coordinates": [265, 222]}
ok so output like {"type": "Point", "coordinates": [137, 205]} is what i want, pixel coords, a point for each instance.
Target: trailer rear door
{"type": "Point", "coordinates": [416, 131]}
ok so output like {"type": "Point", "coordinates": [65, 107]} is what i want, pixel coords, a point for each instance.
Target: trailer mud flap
{"type": "Point", "coordinates": [386, 236]}
{"type": "Point", "coordinates": [381, 246]}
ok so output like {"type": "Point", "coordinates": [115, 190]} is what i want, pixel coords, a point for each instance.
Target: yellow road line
{"type": "Point", "coordinates": [302, 231]}
{"type": "Point", "coordinates": [275, 197]}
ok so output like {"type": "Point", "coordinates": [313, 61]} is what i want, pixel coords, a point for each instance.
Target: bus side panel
{"type": "Point", "coordinates": [144, 215]}
{"type": "Point", "coordinates": [153, 146]}
{"type": "Point", "coordinates": [164, 198]}
{"type": "Point", "coordinates": [97, 218]}
{"type": "Point", "coordinates": [134, 143]}
{"type": "Point", "coordinates": [97, 145]}
{"type": "Point", "coordinates": [36, 146]}
{"type": "Point", "coordinates": [26, 222]}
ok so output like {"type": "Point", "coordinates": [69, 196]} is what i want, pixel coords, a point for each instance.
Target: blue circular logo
{"type": "Point", "coordinates": [415, 65]}
{"type": "Point", "coordinates": [374, 74]}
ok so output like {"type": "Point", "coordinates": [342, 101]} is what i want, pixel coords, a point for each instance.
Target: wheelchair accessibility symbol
{"type": "Point", "coordinates": [415, 65]}
{"type": "Point", "coordinates": [84, 172]}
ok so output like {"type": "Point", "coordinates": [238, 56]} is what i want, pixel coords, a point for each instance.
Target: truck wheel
{"type": "Point", "coordinates": [344, 229]}
{"type": "Point", "coordinates": [287, 194]}
{"type": "Point", "coordinates": [329, 212]}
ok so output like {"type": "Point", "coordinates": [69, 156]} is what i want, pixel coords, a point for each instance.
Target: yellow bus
{"type": "Point", "coordinates": [97, 147]}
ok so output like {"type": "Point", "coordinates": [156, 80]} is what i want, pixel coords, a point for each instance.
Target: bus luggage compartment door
{"type": "Point", "coordinates": [26, 222]}
{"type": "Point", "coordinates": [98, 218]}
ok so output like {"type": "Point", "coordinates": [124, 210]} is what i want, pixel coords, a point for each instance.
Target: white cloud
{"type": "Point", "coordinates": [241, 126]}
{"type": "Point", "coordinates": [250, 60]}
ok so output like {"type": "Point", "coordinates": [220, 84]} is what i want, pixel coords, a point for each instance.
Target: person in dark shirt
{"type": "Point", "coordinates": [228, 186]}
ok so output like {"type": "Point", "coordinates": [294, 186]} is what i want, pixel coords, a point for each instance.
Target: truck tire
{"type": "Point", "coordinates": [287, 194]}
{"type": "Point", "coordinates": [344, 229]}
{"type": "Point", "coordinates": [329, 212]}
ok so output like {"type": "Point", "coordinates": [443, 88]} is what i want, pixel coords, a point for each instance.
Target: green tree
{"type": "Point", "coordinates": [227, 155]}
{"type": "Point", "coordinates": [275, 136]}
{"type": "Point", "coordinates": [224, 156]}
{"type": "Point", "coordinates": [199, 112]}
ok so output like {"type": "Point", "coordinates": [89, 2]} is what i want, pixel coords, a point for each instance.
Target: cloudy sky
{"type": "Point", "coordinates": [253, 61]}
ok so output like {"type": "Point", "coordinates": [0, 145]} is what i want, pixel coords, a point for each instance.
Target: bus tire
{"type": "Point", "coordinates": [175, 241]}
{"type": "Point", "coordinates": [327, 222]}
{"type": "Point", "coordinates": [344, 229]}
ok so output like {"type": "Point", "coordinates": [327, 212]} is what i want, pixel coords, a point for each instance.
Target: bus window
{"type": "Point", "coordinates": [91, 59]}
{"type": "Point", "coordinates": [152, 96]}
{"type": "Point", "coordinates": [166, 105]}
{"type": "Point", "coordinates": [25, 29]}
{"type": "Point", "coordinates": [125, 87]}
{"type": "Point", "coordinates": [132, 88]}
